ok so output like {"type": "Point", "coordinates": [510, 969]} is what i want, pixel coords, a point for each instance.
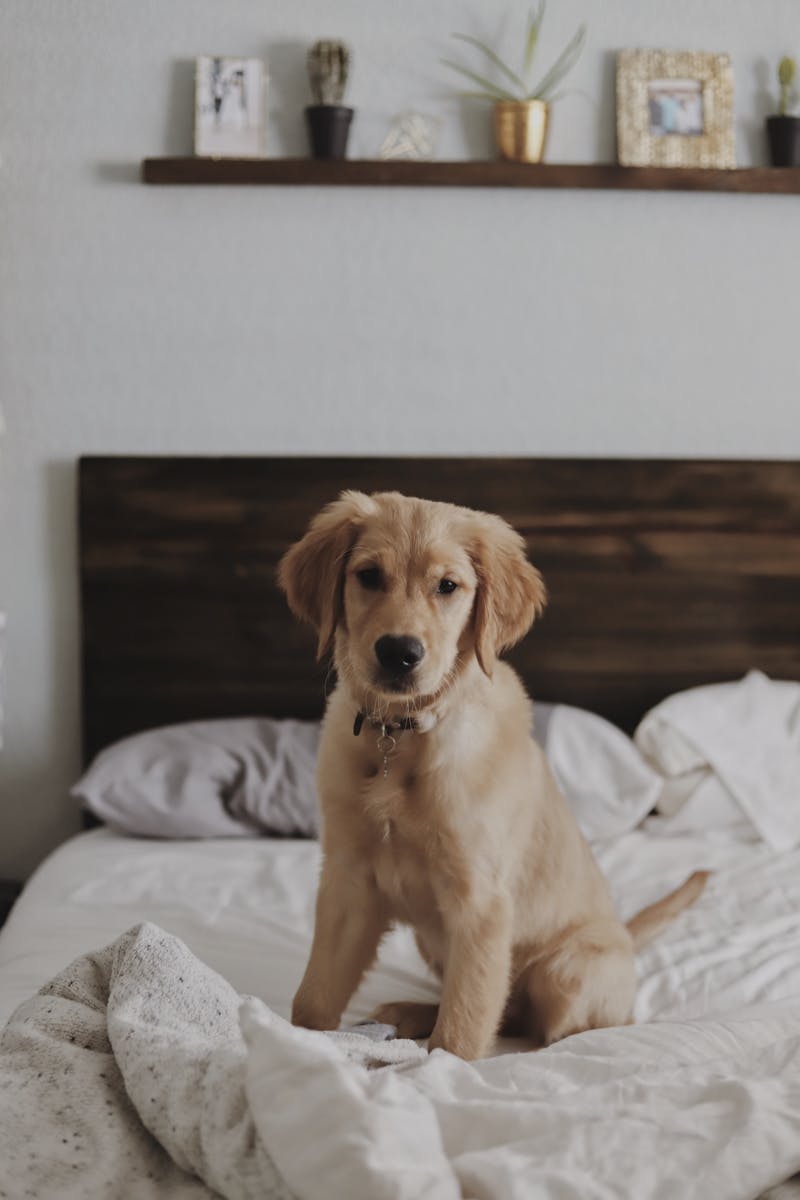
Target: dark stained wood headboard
{"type": "Point", "coordinates": [662, 575]}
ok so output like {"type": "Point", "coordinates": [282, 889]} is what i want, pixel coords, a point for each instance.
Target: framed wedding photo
{"type": "Point", "coordinates": [675, 109]}
{"type": "Point", "coordinates": [229, 108]}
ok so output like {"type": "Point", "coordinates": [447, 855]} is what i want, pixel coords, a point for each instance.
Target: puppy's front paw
{"type": "Point", "coordinates": [311, 1016]}
{"type": "Point", "coordinates": [458, 1042]}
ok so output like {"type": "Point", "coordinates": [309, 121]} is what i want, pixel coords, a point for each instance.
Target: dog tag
{"type": "Point", "coordinates": [386, 744]}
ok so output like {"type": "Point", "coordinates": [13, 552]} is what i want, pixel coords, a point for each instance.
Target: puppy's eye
{"type": "Point", "coordinates": [370, 578]}
{"type": "Point", "coordinates": [446, 586]}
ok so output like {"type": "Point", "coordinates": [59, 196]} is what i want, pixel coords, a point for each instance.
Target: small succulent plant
{"type": "Point", "coordinates": [518, 86]}
{"type": "Point", "coordinates": [328, 67]}
{"type": "Point", "coordinates": [787, 73]}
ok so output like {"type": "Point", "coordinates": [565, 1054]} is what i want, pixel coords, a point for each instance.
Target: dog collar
{"type": "Point", "coordinates": [421, 723]}
{"type": "Point", "coordinates": [387, 742]}
{"type": "Point", "coordinates": [384, 726]}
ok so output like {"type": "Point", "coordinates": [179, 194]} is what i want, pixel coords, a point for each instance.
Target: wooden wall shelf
{"type": "Point", "coordinates": [365, 173]}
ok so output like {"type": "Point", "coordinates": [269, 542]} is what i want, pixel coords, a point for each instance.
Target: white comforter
{"type": "Point", "coordinates": [705, 1097]}
{"type": "Point", "coordinates": [138, 1072]}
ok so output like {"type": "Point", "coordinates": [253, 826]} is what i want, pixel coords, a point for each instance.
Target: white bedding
{"type": "Point", "coordinates": [245, 908]}
{"type": "Point", "coordinates": [140, 1072]}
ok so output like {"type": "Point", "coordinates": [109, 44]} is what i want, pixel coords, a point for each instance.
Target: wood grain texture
{"type": "Point", "coordinates": [662, 575]}
{"type": "Point", "coordinates": [298, 172]}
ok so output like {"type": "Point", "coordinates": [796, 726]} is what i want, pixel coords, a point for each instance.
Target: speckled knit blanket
{"type": "Point", "coordinates": [127, 1076]}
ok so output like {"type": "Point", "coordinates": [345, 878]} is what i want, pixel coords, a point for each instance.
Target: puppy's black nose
{"type": "Point", "coordinates": [399, 654]}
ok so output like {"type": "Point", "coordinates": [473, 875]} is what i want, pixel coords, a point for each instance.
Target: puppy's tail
{"type": "Point", "coordinates": [646, 924]}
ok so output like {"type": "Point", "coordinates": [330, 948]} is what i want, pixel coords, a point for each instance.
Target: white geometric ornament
{"type": "Point", "coordinates": [411, 136]}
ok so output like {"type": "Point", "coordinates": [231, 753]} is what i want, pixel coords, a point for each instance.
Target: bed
{"type": "Point", "coordinates": [663, 576]}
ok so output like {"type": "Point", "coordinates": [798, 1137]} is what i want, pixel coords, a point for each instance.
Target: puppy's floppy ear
{"type": "Point", "coordinates": [312, 570]}
{"type": "Point", "coordinates": [511, 592]}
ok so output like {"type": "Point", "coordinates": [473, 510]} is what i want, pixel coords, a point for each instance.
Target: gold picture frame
{"type": "Point", "coordinates": [675, 109]}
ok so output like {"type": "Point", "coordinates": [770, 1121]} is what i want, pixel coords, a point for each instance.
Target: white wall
{"type": "Point", "coordinates": [266, 321]}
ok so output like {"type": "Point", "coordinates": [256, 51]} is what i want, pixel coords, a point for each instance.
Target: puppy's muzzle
{"type": "Point", "coordinates": [399, 656]}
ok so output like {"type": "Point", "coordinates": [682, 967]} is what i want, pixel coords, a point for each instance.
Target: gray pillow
{"type": "Point", "coordinates": [248, 776]}
{"type": "Point", "coordinates": [227, 778]}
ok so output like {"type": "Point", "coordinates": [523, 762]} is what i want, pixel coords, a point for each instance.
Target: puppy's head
{"type": "Point", "coordinates": [410, 590]}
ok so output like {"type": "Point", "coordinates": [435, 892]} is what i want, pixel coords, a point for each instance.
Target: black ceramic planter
{"type": "Point", "coordinates": [328, 127]}
{"type": "Point", "coordinates": [783, 134]}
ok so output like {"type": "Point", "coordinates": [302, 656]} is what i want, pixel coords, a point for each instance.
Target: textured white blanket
{"type": "Point", "coordinates": [139, 1072]}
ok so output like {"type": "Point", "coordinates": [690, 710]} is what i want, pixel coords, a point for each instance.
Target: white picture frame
{"type": "Point", "coordinates": [229, 116]}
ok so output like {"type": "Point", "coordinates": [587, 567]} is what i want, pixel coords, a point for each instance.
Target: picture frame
{"type": "Point", "coordinates": [675, 109]}
{"type": "Point", "coordinates": [229, 113]}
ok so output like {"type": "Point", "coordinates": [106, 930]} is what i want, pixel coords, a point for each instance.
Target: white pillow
{"type": "Point", "coordinates": [692, 799]}
{"type": "Point", "coordinates": [606, 782]}
{"type": "Point", "coordinates": [730, 755]}
{"type": "Point", "coordinates": [226, 778]}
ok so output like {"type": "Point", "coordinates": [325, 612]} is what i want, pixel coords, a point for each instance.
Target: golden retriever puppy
{"type": "Point", "coordinates": [438, 807]}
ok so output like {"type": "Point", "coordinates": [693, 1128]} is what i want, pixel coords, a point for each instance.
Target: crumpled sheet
{"type": "Point", "coordinates": [140, 1072]}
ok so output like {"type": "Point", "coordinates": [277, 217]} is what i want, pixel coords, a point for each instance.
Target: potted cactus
{"type": "Point", "coordinates": [783, 129]}
{"type": "Point", "coordinates": [521, 106]}
{"type": "Point", "coordinates": [328, 119]}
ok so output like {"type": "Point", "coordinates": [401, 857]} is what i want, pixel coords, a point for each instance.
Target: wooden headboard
{"type": "Point", "coordinates": [662, 575]}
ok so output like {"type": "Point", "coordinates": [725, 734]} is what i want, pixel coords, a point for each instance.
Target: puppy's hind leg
{"type": "Point", "coordinates": [412, 1020]}
{"type": "Point", "coordinates": [586, 982]}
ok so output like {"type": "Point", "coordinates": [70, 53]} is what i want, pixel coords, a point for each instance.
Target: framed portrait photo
{"type": "Point", "coordinates": [229, 107]}
{"type": "Point", "coordinates": [675, 109]}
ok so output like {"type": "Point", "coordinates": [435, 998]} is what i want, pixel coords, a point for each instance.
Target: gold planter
{"type": "Point", "coordinates": [520, 129]}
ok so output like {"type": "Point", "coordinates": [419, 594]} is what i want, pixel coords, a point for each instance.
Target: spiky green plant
{"type": "Point", "coordinates": [519, 86]}
{"type": "Point", "coordinates": [328, 68]}
{"type": "Point", "coordinates": [787, 73]}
